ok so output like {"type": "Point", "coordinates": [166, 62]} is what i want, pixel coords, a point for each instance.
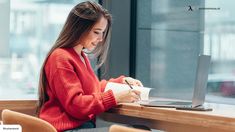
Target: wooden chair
{"type": "Point", "coordinates": [27, 122]}
{"type": "Point", "coordinates": [119, 128]}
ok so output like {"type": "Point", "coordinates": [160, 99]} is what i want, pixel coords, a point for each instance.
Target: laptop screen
{"type": "Point", "coordinates": [201, 80]}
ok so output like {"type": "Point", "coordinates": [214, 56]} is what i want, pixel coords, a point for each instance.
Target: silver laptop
{"type": "Point", "coordinates": [199, 88]}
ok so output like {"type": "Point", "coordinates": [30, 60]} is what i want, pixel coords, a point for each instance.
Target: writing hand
{"type": "Point", "coordinates": [127, 96]}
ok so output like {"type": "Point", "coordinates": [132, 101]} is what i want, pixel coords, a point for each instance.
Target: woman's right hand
{"type": "Point", "coordinates": [127, 96]}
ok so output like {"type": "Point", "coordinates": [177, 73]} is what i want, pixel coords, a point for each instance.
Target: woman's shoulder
{"type": "Point", "coordinates": [60, 57]}
{"type": "Point", "coordinates": [61, 53]}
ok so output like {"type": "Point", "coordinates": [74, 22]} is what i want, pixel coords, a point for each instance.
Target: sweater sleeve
{"type": "Point", "coordinates": [68, 90]}
{"type": "Point", "coordinates": [103, 82]}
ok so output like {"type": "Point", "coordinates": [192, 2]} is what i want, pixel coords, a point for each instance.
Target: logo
{"type": "Point", "coordinates": [10, 128]}
{"type": "Point", "coordinates": [190, 8]}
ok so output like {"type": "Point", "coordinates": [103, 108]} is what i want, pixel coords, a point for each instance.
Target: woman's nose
{"type": "Point", "coordinates": [100, 38]}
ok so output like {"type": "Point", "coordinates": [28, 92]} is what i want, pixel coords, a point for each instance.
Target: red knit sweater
{"type": "Point", "coordinates": [75, 93]}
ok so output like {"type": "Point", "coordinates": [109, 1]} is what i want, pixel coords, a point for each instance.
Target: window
{"type": "Point", "coordinates": [28, 30]}
{"type": "Point", "coordinates": [219, 39]}
{"type": "Point", "coordinates": [170, 36]}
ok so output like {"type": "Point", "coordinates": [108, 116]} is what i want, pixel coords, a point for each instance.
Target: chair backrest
{"type": "Point", "coordinates": [27, 122]}
{"type": "Point", "coordinates": [119, 128]}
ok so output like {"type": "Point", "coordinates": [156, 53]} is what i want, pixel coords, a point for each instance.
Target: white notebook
{"type": "Point", "coordinates": [118, 87]}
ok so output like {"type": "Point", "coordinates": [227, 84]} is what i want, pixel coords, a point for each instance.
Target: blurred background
{"type": "Point", "coordinates": [162, 39]}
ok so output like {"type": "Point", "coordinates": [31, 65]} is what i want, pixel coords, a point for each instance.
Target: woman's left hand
{"type": "Point", "coordinates": [132, 81]}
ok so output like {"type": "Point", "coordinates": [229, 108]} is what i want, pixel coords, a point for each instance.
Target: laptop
{"type": "Point", "coordinates": [199, 89]}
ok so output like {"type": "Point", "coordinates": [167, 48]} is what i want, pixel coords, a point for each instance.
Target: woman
{"type": "Point", "coordinates": [70, 95]}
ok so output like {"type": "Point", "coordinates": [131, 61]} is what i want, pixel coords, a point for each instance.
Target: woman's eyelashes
{"type": "Point", "coordinates": [98, 33]}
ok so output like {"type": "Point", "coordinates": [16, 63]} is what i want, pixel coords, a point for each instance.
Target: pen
{"type": "Point", "coordinates": [128, 84]}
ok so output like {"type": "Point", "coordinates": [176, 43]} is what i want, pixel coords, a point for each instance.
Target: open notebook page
{"type": "Point", "coordinates": [118, 87]}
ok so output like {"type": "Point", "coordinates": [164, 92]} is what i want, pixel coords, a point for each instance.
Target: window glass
{"type": "Point", "coordinates": [219, 40]}
{"type": "Point", "coordinates": [28, 30]}
{"type": "Point", "coordinates": [170, 36]}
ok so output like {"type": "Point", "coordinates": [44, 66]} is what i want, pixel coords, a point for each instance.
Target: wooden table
{"type": "Point", "coordinates": [23, 106]}
{"type": "Point", "coordinates": [221, 119]}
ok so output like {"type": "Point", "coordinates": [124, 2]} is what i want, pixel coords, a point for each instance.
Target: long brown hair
{"type": "Point", "coordinates": [79, 22]}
